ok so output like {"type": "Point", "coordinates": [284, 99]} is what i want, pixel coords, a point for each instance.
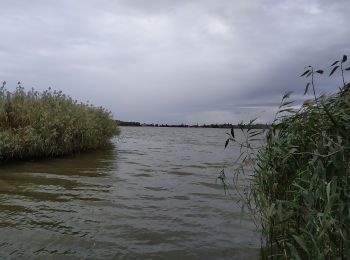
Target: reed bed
{"type": "Point", "coordinates": [49, 124]}
{"type": "Point", "coordinates": [299, 190]}
{"type": "Point", "coordinates": [301, 183]}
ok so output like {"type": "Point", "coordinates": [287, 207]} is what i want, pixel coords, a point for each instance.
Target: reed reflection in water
{"type": "Point", "coordinates": [151, 195]}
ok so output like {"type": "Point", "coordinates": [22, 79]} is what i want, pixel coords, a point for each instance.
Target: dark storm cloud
{"type": "Point", "coordinates": [173, 61]}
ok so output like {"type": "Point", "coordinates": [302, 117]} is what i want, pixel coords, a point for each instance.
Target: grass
{"type": "Point", "coordinates": [299, 190]}
{"type": "Point", "coordinates": [49, 124]}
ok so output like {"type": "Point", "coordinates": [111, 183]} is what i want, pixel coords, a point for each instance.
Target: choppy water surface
{"type": "Point", "coordinates": [152, 195]}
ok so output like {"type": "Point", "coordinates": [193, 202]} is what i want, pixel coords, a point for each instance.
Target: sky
{"type": "Point", "coordinates": [174, 61]}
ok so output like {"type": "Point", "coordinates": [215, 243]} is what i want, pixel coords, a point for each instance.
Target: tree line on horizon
{"type": "Point", "coordinates": [225, 125]}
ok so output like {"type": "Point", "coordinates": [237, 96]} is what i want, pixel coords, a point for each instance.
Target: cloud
{"type": "Point", "coordinates": [172, 61]}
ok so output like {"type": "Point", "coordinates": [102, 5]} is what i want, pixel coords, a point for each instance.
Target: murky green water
{"type": "Point", "coordinates": [152, 195]}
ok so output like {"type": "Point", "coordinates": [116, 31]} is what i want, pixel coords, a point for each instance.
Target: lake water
{"type": "Point", "coordinates": [151, 195]}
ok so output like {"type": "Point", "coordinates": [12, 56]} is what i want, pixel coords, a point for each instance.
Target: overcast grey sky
{"type": "Point", "coordinates": [173, 61]}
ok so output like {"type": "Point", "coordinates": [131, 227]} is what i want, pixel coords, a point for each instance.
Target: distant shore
{"type": "Point", "coordinates": [226, 126]}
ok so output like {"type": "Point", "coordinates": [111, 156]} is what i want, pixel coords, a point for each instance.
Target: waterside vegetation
{"type": "Point", "coordinates": [226, 125]}
{"type": "Point", "coordinates": [49, 124]}
{"type": "Point", "coordinates": [299, 189]}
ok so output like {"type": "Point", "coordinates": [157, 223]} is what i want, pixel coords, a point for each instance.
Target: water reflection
{"type": "Point", "coordinates": [151, 195]}
{"type": "Point", "coordinates": [45, 196]}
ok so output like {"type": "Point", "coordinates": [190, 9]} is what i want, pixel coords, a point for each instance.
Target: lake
{"type": "Point", "coordinates": [151, 195]}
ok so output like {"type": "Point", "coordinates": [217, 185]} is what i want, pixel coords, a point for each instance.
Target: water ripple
{"type": "Point", "coordinates": [151, 195]}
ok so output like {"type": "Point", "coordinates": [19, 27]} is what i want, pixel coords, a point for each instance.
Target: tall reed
{"type": "Point", "coordinates": [48, 124]}
{"type": "Point", "coordinates": [299, 189]}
